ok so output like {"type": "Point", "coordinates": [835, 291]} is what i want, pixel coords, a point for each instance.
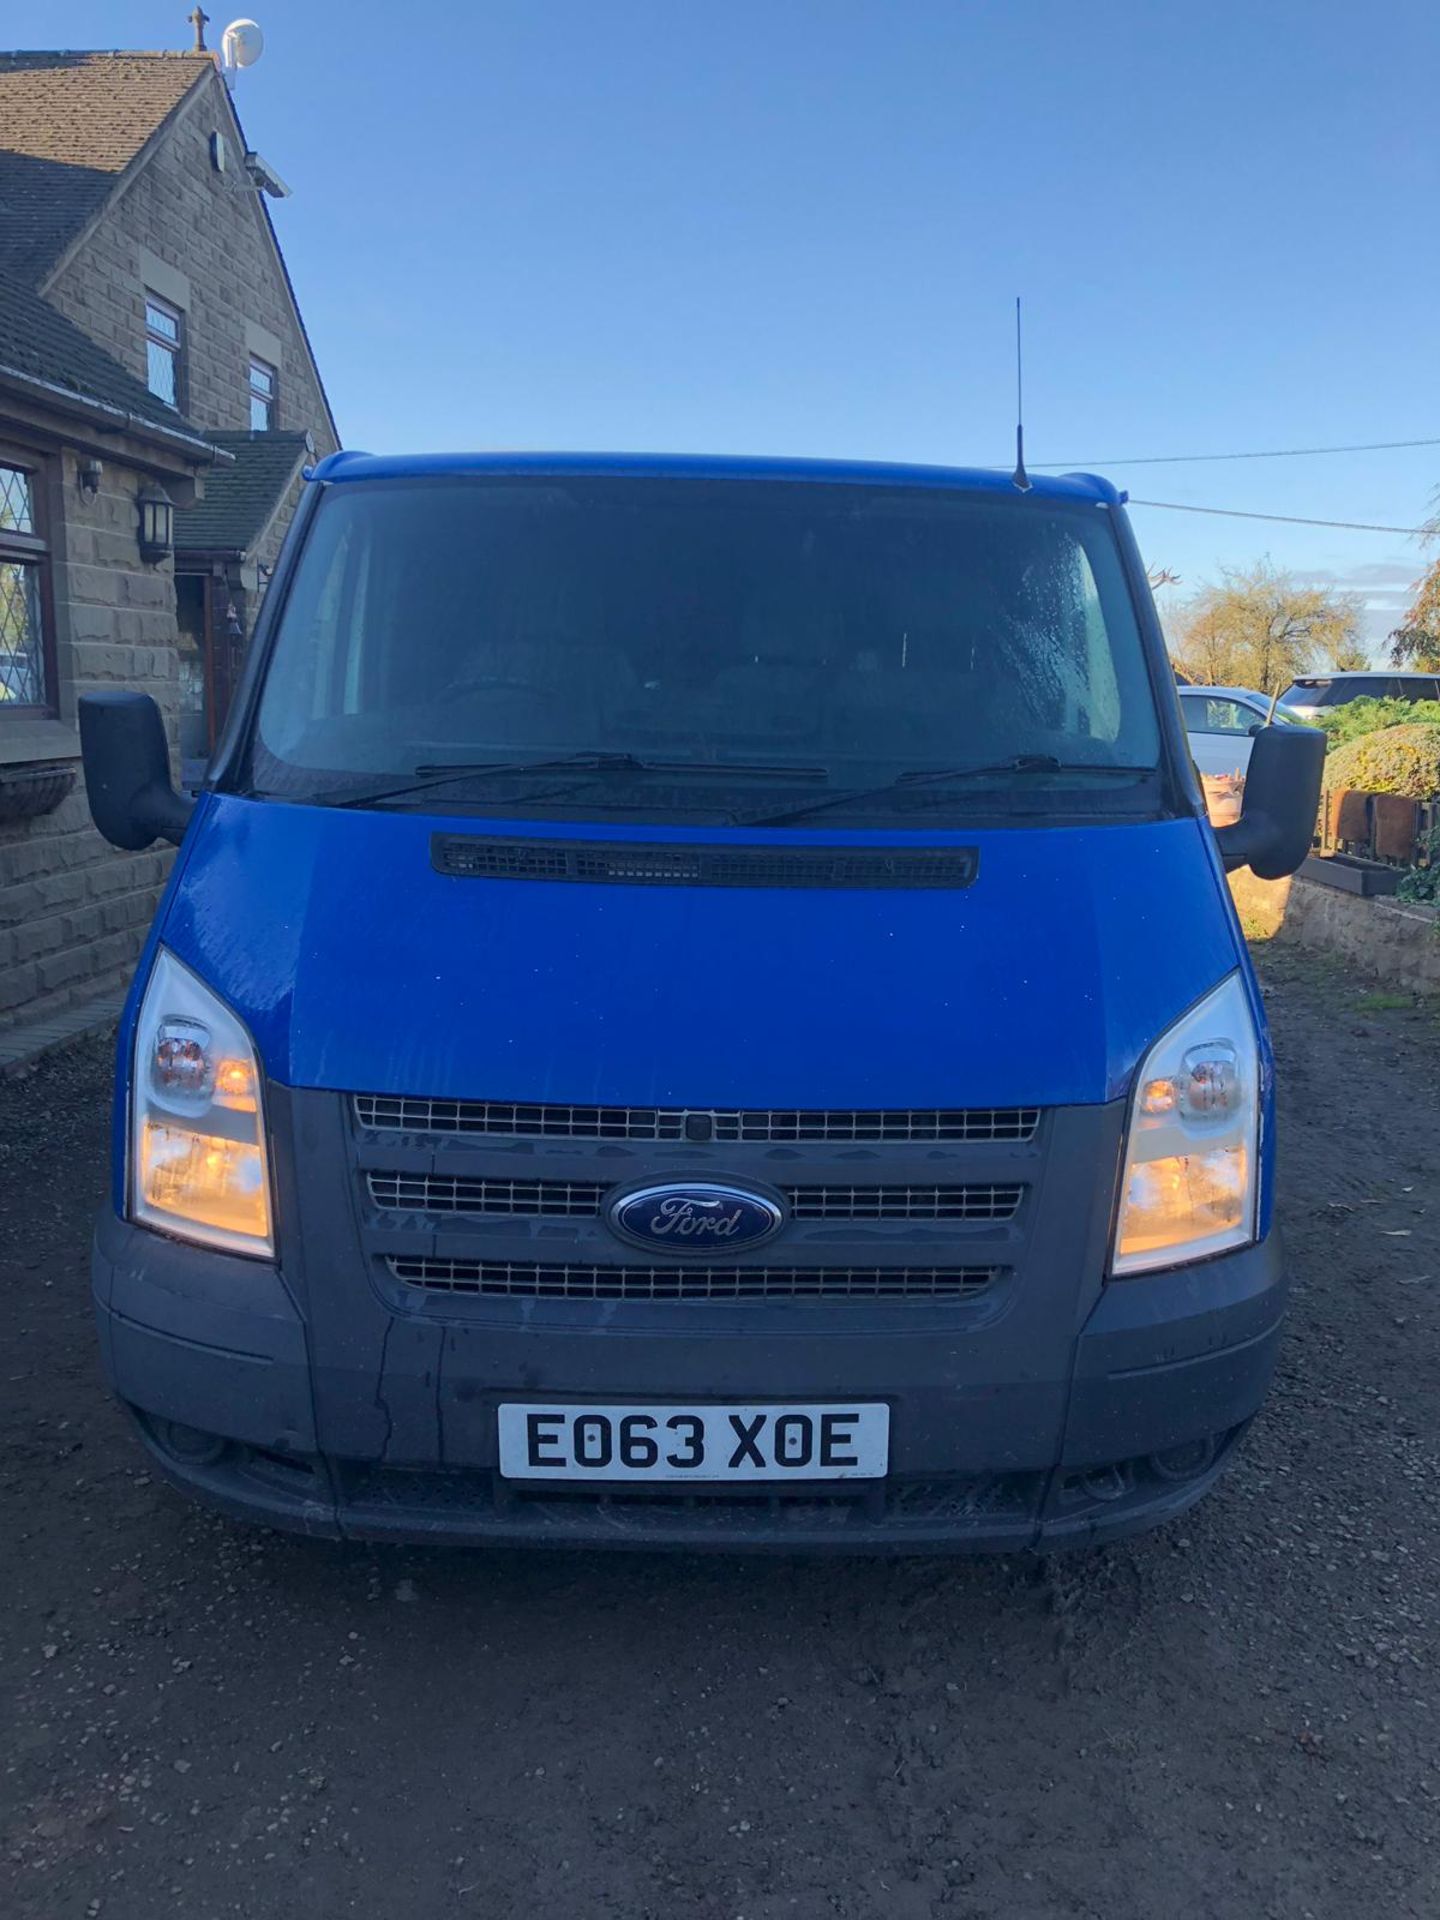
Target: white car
{"type": "Point", "coordinates": [1221, 722]}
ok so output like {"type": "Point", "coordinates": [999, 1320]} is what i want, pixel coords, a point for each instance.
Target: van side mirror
{"type": "Point", "coordinates": [127, 771]}
{"type": "Point", "coordinates": [1276, 827]}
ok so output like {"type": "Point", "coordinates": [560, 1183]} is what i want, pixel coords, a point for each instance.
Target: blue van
{"type": "Point", "coordinates": [697, 1006]}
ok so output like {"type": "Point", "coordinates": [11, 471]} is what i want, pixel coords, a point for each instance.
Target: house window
{"type": "Point", "coordinates": [164, 346]}
{"type": "Point", "coordinates": [26, 663]}
{"type": "Point", "coordinates": [262, 395]}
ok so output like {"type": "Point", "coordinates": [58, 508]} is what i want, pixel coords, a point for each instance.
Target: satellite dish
{"type": "Point", "coordinates": [241, 44]}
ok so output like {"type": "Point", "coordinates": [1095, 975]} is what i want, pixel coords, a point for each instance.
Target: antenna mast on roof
{"type": "Point", "coordinates": [1020, 477]}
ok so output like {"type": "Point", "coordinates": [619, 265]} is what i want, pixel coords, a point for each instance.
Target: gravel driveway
{"type": "Point", "coordinates": [1234, 1717]}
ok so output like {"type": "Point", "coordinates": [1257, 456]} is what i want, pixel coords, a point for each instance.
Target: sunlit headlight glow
{"type": "Point", "coordinates": [200, 1178]}
{"type": "Point", "coordinates": [1191, 1175]}
{"type": "Point", "coordinates": [198, 1157]}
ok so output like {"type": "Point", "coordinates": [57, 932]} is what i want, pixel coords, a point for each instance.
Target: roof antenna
{"type": "Point", "coordinates": [1019, 478]}
{"type": "Point", "coordinates": [241, 45]}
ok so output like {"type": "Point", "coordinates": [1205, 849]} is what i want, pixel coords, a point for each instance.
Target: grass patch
{"type": "Point", "coordinates": [1385, 1003]}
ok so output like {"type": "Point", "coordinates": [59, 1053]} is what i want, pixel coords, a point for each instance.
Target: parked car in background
{"type": "Point", "coordinates": [1310, 695]}
{"type": "Point", "coordinates": [1221, 722]}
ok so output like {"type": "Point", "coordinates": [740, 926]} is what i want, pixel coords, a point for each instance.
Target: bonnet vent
{"type": "Point", "coordinates": [654, 864]}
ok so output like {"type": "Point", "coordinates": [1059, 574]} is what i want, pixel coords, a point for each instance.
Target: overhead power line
{"type": "Point", "coordinates": [1268, 453]}
{"type": "Point", "coordinates": [1289, 519]}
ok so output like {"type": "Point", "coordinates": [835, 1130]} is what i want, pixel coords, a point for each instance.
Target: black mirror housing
{"type": "Point", "coordinates": [127, 771]}
{"type": "Point", "coordinates": [1276, 828]}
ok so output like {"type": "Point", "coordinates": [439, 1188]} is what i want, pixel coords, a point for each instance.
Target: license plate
{"type": "Point", "coordinates": [558, 1442]}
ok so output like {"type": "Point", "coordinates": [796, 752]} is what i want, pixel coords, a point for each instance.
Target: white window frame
{"type": "Point", "coordinates": [270, 399]}
{"type": "Point", "coordinates": [175, 348]}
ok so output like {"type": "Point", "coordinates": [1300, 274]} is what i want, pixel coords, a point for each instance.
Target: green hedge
{"type": "Point", "coordinates": [1358, 717]}
{"type": "Point", "coordinates": [1403, 759]}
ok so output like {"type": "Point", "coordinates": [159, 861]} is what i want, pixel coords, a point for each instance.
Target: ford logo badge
{"type": "Point", "coordinates": [695, 1217]}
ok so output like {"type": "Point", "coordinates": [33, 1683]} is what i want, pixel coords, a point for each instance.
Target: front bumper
{"type": "Point", "coordinates": [213, 1355]}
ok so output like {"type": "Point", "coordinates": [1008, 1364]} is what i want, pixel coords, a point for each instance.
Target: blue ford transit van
{"type": "Point", "coordinates": [697, 1006]}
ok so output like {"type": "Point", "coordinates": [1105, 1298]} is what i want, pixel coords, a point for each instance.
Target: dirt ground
{"type": "Point", "coordinates": [1233, 1717]}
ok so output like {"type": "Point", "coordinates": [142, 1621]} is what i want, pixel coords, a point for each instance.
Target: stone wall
{"type": "Point", "coordinates": [204, 235]}
{"type": "Point", "coordinates": [1386, 941]}
{"type": "Point", "coordinates": [73, 912]}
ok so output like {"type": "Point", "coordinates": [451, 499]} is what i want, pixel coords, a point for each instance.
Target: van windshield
{"type": "Point", "coordinates": [714, 638]}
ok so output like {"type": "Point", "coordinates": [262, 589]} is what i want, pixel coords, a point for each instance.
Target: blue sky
{"type": "Point", "coordinates": [799, 226]}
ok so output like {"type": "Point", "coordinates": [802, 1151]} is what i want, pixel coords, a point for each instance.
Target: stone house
{"type": "Point", "coordinates": [159, 401]}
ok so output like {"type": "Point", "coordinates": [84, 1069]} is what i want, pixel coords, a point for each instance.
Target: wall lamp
{"type": "Point", "coordinates": [157, 524]}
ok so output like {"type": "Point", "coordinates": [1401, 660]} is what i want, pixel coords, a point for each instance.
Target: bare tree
{"type": "Point", "coordinates": [1416, 641]}
{"type": "Point", "coordinates": [1256, 627]}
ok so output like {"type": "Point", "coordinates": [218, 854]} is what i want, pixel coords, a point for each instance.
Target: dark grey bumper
{"type": "Point", "coordinates": [1160, 1380]}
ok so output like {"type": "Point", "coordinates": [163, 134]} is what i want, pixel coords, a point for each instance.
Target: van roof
{"type": "Point", "coordinates": [688, 466]}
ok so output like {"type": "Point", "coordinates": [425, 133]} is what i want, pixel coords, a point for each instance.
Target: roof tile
{"type": "Point", "coordinates": [240, 499]}
{"type": "Point", "coordinates": [38, 341]}
{"type": "Point", "coordinates": [70, 124]}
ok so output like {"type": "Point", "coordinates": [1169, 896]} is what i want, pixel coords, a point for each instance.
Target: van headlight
{"type": "Point", "coordinates": [1191, 1157]}
{"type": "Point", "coordinates": [198, 1164]}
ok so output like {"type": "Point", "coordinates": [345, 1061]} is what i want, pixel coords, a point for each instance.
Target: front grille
{"type": "Point", "coordinates": [433, 1193]}
{"type": "Point", "coordinates": [508, 1280]}
{"type": "Point", "coordinates": [581, 1199]}
{"type": "Point", "coordinates": [380, 1112]}
{"type": "Point", "coordinates": [904, 1203]}
{"type": "Point", "coordinates": [641, 1512]}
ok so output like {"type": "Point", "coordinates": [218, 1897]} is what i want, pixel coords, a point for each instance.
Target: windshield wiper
{"type": "Point", "coordinates": [441, 774]}
{"type": "Point", "coordinates": [936, 776]}
{"type": "Point", "coordinates": [431, 775]}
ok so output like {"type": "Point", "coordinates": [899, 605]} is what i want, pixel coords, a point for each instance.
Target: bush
{"type": "Point", "coordinates": [1403, 759]}
{"type": "Point", "coordinates": [1359, 717]}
